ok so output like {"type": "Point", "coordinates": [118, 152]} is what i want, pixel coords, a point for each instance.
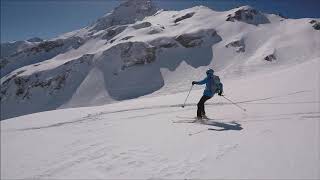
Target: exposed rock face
{"type": "Point", "coordinates": [186, 16]}
{"type": "Point", "coordinates": [10, 48]}
{"type": "Point", "coordinates": [239, 45]}
{"type": "Point", "coordinates": [270, 57]}
{"type": "Point", "coordinates": [189, 41]}
{"type": "Point", "coordinates": [24, 87]}
{"type": "Point", "coordinates": [134, 53]}
{"type": "Point", "coordinates": [312, 21]}
{"type": "Point", "coordinates": [113, 31]}
{"type": "Point", "coordinates": [155, 30]}
{"type": "Point", "coordinates": [39, 52]}
{"type": "Point", "coordinates": [141, 25]}
{"type": "Point", "coordinates": [316, 24]}
{"type": "Point", "coordinates": [131, 57]}
{"type": "Point", "coordinates": [248, 15]}
{"type": "Point", "coordinates": [197, 38]}
{"type": "Point", "coordinates": [45, 46]}
{"type": "Point", "coordinates": [127, 37]}
{"type": "Point", "coordinates": [164, 43]}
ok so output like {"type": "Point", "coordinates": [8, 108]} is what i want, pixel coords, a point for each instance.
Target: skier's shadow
{"type": "Point", "coordinates": [224, 126]}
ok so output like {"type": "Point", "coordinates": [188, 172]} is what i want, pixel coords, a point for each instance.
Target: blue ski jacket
{"type": "Point", "coordinates": [213, 85]}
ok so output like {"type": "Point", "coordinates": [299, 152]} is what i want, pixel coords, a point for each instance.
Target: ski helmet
{"type": "Point", "coordinates": [210, 71]}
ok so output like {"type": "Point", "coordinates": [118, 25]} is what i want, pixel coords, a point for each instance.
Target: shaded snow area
{"type": "Point", "coordinates": [276, 138]}
{"type": "Point", "coordinates": [105, 101]}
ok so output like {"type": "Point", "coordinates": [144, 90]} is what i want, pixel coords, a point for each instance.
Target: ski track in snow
{"type": "Point", "coordinates": [107, 158]}
{"type": "Point", "coordinates": [95, 117]}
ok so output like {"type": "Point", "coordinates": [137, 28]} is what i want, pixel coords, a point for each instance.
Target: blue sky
{"type": "Point", "coordinates": [23, 19]}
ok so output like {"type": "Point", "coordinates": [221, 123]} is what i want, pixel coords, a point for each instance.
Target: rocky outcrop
{"type": "Point", "coordinates": [186, 16]}
{"type": "Point", "coordinates": [155, 30]}
{"type": "Point", "coordinates": [239, 45]}
{"type": "Point", "coordinates": [45, 46]}
{"type": "Point", "coordinates": [10, 48]}
{"type": "Point", "coordinates": [315, 24]}
{"type": "Point", "coordinates": [164, 43]}
{"type": "Point", "coordinates": [270, 57]}
{"type": "Point", "coordinates": [248, 15]}
{"type": "Point", "coordinates": [21, 87]}
{"type": "Point", "coordinates": [190, 40]}
{"type": "Point", "coordinates": [127, 38]}
{"type": "Point", "coordinates": [39, 52]}
{"type": "Point", "coordinates": [141, 25]}
{"type": "Point", "coordinates": [133, 53]}
{"type": "Point", "coordinates": [138, 53]}
{"type": "Point", "coordinates": [113, 31]}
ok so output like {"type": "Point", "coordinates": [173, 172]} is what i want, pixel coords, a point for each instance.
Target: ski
{"type": "Point", "coordinates": [186, 118]}
{"type": "Point", "coordinates": [189, 118]}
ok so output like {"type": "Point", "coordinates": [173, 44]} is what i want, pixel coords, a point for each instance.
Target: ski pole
{"type": "Point", "coordinates": [234, 103]}
{"type": "Point", "coordinates": [187, 97]}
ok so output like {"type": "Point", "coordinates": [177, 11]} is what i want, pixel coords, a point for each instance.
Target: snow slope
{"type": "Point", "coordinates": [138, 50]}
{"type": "Point", "coordinates": [277, 138]}
{"type": "Point", "coordinates": [132, 69]}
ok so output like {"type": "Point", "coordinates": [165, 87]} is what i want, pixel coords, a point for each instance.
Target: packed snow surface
{"type": "Point", "coordinates": [277, 137]}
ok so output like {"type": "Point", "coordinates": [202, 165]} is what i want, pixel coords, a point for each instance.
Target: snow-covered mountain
{"type": "Point", "coordinates": [139, 50]}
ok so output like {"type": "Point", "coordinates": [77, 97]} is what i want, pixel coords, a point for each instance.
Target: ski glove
{"type": "Point", "coordinates": [193, 82]}
{"type": "Point", "coordinates": [220, 93]}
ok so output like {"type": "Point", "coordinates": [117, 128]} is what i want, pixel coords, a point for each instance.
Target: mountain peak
{"type": "Point", "coordinates": [126, 13]}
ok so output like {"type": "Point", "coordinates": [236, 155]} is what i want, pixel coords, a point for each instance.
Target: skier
{"type": "Point", "coordinates": [213, 85]}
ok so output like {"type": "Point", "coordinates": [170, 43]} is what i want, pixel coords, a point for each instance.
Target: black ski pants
{"type": "Point", "coordinates": [200, 105]}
